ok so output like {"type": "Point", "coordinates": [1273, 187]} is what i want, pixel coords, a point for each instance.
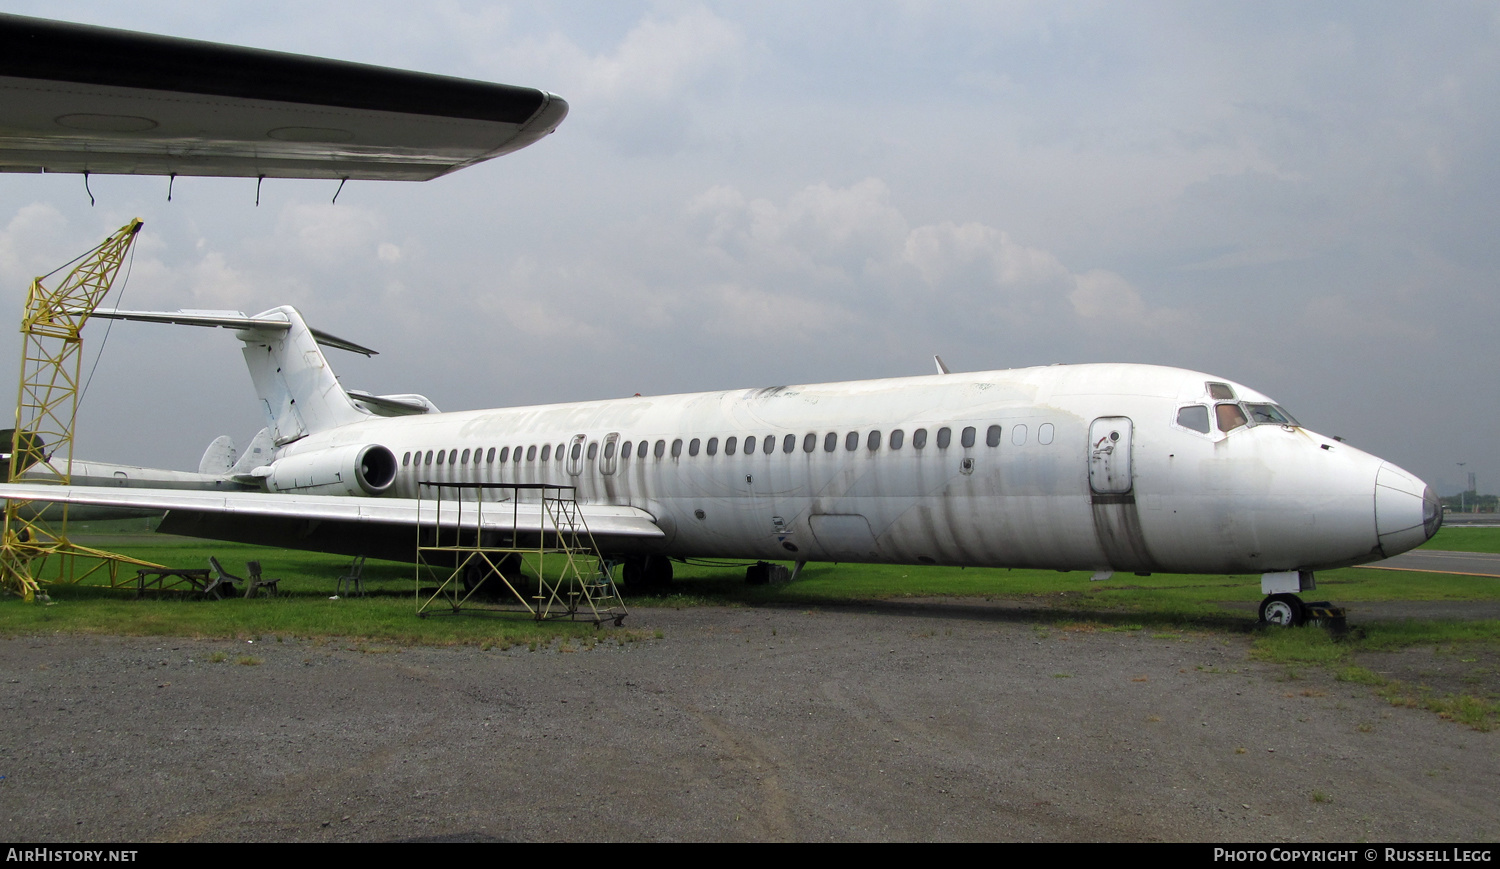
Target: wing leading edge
{"type": "Point", "coordinates": [75, 98]}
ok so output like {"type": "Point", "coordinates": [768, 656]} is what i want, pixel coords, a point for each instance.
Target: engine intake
{"type": "Point", "coordinates": [352, 470]}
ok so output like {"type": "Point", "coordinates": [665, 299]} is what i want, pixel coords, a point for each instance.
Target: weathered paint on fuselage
{"type": "Point", "coordinates": [1258, 498]}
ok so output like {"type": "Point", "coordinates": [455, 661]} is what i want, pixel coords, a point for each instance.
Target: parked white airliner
{"type": "Point", "coordinates": [1069, 467]}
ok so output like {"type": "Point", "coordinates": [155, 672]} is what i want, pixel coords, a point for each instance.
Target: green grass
{"type": "Point", "coordinates": [1480, 711]}
{"type": "Point", "coordinates": [303, 609]}
{"type": "Point", "coordinates": [1158, 598]}
{"type": "Point", "coordinates": [1124, 602]}
{"type": "Point", "coordinates": [1465, 538]}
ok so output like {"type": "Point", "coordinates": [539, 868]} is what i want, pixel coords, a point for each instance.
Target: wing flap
{"type": "Point", "coordinates": [602, 520]}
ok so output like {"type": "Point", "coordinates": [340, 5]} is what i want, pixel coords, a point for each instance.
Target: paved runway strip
{"type": "Point", "coordinates": [1440, 561]}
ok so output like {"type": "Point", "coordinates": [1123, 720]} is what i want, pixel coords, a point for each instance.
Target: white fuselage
{"type": "Point", "coordinates": [1092, 467]}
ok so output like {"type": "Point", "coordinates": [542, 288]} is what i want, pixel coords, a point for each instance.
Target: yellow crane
{"type": "Point", "coordinates": [46, 407]}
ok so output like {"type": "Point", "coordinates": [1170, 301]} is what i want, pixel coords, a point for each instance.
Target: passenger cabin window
{"type": "Point", "coordinates": [749, 444]}
{"type": "Point", "coordinates": [898, 437]}
{"type": "Point", "coordinates": [1220, 392]}
{"type": "Point", "coordinates": [851, 441]}
{"type": "Point", "coordinates": [440, 456]}
{"type": "Point", "coordinates": [1044, 433]}
{"type": "Point", "coordinates": [873, 441]}
{"type": "Point", "coordinates": [830, 442]}
{"type": "Point", "coordinates": [712, 447]}
{"type": "Point", "coordinates": [1229, 416]}
{"type": "Point", "coordinates": [406, 459]}
{"type": "Point", "coordinates": [729, 445]}
{"type": "Point", "coordinates": [593, 450]}
{"type": "Point", "coordinates": [504, 454]}
{"type": "Point", "coordinates": [992, 435]}
{"type": "Point", "coordinates": [625, 450]}
{"type": "Point", "coordinates": [945, 437]}
{"type": "Point", "coordinates": [693, 446]}
{"type": "Point", "coordinates": [919, 439]}
{"type": "Point", "coordinates": [661, 449]}
{"type": "Point", "coordinates": [640, 450]}
{"type": "Point", "coordinates": [1194, 416]}
{"type": "Point", "coordinates": [429, 458]}
{"type": "Point", "coordinates": [465, 459]}
{"type": "Point", "coordinates": [546, 452]}
{"type": "Point", "coordinates": [788, 443]}
{"type": "Point", "coordinates": [809, 442]}
{"type": "Point", "coordinates": [611, 444]}
{"type": "Point", "coordinates": [531, 453]}
{"type": "Point", "coordinates": [768, 444]}
{"type": "Point", "coordinates": [558, 453]}
{"type": "Point", "coordinates": [1018, 434]}
{"type": "Point", "coordinates": [967, 438]}
{"type": "Point", "coordinates": [677, 448]}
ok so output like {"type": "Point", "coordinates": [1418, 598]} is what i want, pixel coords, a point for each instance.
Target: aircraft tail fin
{"type": "Point", "coordinates": [297, 389]}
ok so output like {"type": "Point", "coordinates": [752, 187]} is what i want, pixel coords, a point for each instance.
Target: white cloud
{"type": "Point", "coordinates": [657, 60]}
{"type": "Point", "coordinates": [849, 255]}
{"type": "Point", "coordinates": [29, 244]}
{"type": "Point", "coordinates": [326, 235]}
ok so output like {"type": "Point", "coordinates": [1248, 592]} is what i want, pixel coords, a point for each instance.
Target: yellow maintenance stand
{"type": "Point", "coordinates": [46, 407]}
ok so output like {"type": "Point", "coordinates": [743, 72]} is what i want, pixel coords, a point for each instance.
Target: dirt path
{"type": "Point", "coordinates": [912, 721]}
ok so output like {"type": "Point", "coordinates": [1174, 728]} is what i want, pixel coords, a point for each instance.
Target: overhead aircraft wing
{"type": "Point", "coordinates": [379, 527]}
{"type": "Point", "coordinates": [75, 98]}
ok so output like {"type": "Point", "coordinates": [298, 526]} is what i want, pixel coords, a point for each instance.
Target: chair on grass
{"type": "Point", "coordinates": [220, 580]}
{"type": "Point", "coordinates": [352, 583]}
{"type": "Point", "coordinates": [267, 587]}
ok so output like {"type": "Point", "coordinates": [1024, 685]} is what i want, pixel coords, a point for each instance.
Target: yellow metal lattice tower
{"type": "Point", "coordinates": [47, 403]}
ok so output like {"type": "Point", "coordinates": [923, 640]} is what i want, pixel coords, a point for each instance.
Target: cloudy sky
{"type": "Point", "coordinates": [1298, 196]}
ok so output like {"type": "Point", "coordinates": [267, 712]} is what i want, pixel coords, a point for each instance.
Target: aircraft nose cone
{"type": "Point", "coordinates": [1407, 512]}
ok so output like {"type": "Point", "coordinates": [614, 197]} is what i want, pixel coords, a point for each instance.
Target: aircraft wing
{"type": "Point", "coordinates": [379, 527]}
{"type": "Point", "coordinates": [75, 98]}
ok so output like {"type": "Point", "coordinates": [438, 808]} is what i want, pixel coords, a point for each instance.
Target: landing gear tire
{"type": "Point", "coordinates": [1283, 610]}
{"type": "Point", "coordinates": [646, 574]}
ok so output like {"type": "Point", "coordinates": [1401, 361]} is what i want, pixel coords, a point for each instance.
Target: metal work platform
{"type": "Point", "coordinates": [475, 550]}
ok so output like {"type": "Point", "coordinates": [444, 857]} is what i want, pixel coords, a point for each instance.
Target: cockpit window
{"type": "Point", "coordinates": [1220, 391]}
{"type": "Point", "coordinates": [1194, 416]}
{"type": "Point", "coordinates": [1229, 416]}
{"type": "Point", "coordinates": [1269, 414]}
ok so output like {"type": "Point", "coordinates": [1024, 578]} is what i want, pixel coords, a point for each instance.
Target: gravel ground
{"type": "Point", "coordinates": [924, 720]}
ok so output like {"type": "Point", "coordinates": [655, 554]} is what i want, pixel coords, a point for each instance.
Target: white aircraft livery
{"type": "Point", "coordinates": [1100, 467]}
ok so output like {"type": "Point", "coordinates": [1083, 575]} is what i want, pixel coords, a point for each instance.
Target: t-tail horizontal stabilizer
{"type": "Point", "coordinates": [297, 388]}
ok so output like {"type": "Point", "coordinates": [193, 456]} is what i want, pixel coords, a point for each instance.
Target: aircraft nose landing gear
{"type": "Point", "coordinates": [1283, 608]}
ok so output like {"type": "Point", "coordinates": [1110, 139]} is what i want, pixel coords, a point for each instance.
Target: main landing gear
{"type": "Point", "coordinates": [1283, 608]}
{"type": "Point", "coordinates": [646, 573]}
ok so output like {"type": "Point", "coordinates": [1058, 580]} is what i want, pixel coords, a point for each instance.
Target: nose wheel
{"type": "Point", "coordinates": [1289, 611]}
{"type": "Point", "coordinates": [1283, 610]}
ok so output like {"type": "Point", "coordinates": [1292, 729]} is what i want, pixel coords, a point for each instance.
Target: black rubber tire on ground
{"type": "Point", "coordinates": [1283, 610]}
{"type": "Point", "coordinates": [643, 574]}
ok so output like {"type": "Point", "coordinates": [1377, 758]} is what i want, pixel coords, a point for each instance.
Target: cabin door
{"type": "Point", "coordinates": [1112, 496]}
{"type": "Point", "coordinates": [1109, 456]}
